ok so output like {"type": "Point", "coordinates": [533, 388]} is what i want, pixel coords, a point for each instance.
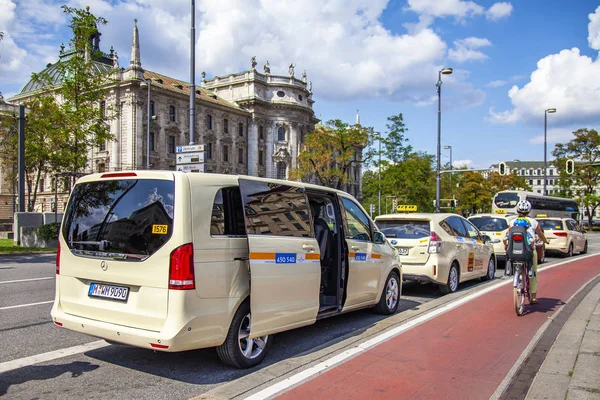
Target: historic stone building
{"type": "Point", "coordinates": [250, 122]}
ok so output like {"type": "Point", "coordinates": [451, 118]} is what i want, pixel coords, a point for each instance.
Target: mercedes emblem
{"type": "Point", "coordinates": [104, 265]}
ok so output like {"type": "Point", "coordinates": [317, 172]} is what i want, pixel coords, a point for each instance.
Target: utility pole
{"type": "Point", "coordinates": [193, 76]}
{"type": "Point", "coordinates": [21, 160]}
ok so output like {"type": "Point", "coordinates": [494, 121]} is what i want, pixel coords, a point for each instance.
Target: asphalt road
{"type": "Point", "coordinates": [26, 295]}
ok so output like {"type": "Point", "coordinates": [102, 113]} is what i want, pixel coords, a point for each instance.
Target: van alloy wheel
{"type": "Point", "coordinates": [250, 348]}
{"type": "Point", "coordinates": [391, 293]}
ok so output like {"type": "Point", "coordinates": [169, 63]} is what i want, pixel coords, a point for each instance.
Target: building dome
{"type": "Point", "coordinates": [102, 65]}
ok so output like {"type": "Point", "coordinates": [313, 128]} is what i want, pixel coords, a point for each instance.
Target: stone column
{"type": "Point", "coordinates": [115, 129]}
{"type": "Point", "coordinates": [293, 144]}
{"type": "Point", "coordinates": [271, 130]}
{"type": "Point", "coordinates": [252, 143]}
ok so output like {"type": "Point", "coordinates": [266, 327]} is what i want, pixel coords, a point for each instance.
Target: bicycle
{"type": "Point", "coordinates": [520, 285]}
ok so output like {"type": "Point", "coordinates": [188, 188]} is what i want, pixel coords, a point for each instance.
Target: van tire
{"type": "Point", "coordinates": [390, 296]}
{"type": "Point", "coordinates": [451, 285]}
{"type": "Point", "coordinates": [230, 352]}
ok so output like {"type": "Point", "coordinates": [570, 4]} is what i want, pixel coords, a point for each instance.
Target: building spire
{"type": "Point", "coordinates": [135, 48]}
{"type": "Point", "coordinates": [357, 118]}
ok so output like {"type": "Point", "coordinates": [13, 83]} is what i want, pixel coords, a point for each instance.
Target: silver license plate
{"type": "Point", "coordinates": [403, 251]}
{"type": "Point", "coordinates": [108, 291]}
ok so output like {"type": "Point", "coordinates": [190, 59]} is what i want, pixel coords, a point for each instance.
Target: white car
{"type": "Point", "coordinates": [495, 226]}
{"type": "Point", "coordinates": [444, 249]}
{"type": "Point", "coordinates": [565, 236]}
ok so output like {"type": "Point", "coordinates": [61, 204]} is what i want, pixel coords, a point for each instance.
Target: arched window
{"type": "Point", "coordinates": [281, 170]}
{"type": "Point", "coordinates": [281, 133]}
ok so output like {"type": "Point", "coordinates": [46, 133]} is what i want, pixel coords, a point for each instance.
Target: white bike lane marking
{"type": "Point", "coordinates": [51, 355]}
{"type": "Point", "coordinates": [310, 372]}
{"type": "Point", "coordinates": [26, 305]}
{"type": "Point", "coordinates": [27, 280]}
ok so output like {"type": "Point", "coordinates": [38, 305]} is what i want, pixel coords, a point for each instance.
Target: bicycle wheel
{"type": "Point", "coordinates": [519, 292]}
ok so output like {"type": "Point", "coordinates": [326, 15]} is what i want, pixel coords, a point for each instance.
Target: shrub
{"type": "Point", "coordinates": [49, 231]}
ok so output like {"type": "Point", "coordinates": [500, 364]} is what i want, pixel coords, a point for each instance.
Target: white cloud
{"type": "Point", "coordinates": [554, 135]}
{"type": "Point", "coordinates": [461, 163]}
{"type": "Point", "coordinates": [567, 81]}
{"type": "Point", "coordinates": [458, 9]}
{"type": "Point", "coordinates": [499, 11]}
{"type": "Point", "coordinates": [343, 46]}
{"type": "Point", "coordinates": [496, 84]}
{"type": "Point", "coordinates": [466, 49]}
{"type": "Point", "coordinates": [594, 29]}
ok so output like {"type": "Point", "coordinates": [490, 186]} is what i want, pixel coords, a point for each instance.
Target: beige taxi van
{"type": "Point", "coordinates": [172, 261]}
{"type": "Point", "coordinates": [444, 249]}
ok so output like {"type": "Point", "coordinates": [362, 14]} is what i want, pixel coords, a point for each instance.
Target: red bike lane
{"type": "Point", "coordinates": [464, 353]}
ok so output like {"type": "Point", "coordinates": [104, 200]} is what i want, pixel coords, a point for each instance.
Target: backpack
{"type": "Point", "coordinates": [519, 248]}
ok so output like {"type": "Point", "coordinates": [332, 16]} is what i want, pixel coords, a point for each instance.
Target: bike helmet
{"type": "Point", "coordinates": [523, 207]}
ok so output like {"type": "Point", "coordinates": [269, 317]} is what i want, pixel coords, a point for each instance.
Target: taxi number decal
{"type": "Point", "coordinates": [160, 229]}
{"type": "Point", "coordinates": [285, 258]}
{"type": "Point", "coordinates": [500, 211]}
{"type": "Point", "coordinates": [360, 257]}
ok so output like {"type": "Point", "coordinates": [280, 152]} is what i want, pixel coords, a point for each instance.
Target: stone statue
{"type": "Point", "coordinates": [203, 74]}
{"type": "Point", "coordinates": [304, 76]}
{"type": "Point", "coordinates": [267, 68]}
{"type": "Point", "coordinates": [291, 69]}
{"type": "Point", "coordinates": [253, 62]}
{"type": "Point", "coordinates": [310, 86]}
{"type": "Point", "coordinates": [115, 60]}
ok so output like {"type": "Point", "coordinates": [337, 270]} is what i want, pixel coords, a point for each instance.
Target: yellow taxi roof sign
{"type": "Point", "coordinates": [406, 208]}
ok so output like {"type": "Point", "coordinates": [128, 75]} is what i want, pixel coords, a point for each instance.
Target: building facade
{"type": "Point", "coordinates": [250, 122]}
{"type": "Point", "coordinates": [533, 173]}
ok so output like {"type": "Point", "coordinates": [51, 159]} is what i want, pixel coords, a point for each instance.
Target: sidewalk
{"type": "Point", "coordinates": [571, 369]}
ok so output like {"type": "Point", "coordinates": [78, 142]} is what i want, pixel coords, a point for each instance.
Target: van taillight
{"type": "Point", "coordinates": [435, 243]}
{"type": "Point", "coordinates": [58, 259]}
{"type": "Point", "coordinates": [181, 270]}
{"type": "Point", "coordinates": [118, 175]}
{"type": "Point", "coordinates": [561, 234]}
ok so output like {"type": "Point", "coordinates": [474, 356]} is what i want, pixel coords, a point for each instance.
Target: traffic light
{"type": "Point", "coordinates": [502, 168]}
{"type": "Point", "coordinates": [570, 166]}
{"type": "Point", "coordinates": [453, 204]}
{"type": "Point", "coordinates": [395, 204]}
{"type": "Point", "coordinates": [372, 209]}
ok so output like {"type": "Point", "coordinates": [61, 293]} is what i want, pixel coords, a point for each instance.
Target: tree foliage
{"type": "Point", "coordinates": [65, 120]}
{"type": "Point", "coordinates": [331, 150]}
{"type": "Point", "coordinates": [584, 148]}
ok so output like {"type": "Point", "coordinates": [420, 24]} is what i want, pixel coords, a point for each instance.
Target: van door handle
{"type": "Point", "coordinates": [308, 247]}
{"type": "Point", "coordinates": [241, 259]}
{"type": "Point", "coordinates": [355, 248]}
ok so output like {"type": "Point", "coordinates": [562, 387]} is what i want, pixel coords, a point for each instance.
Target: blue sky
{"type": "Point", "coordinates": [511, 60]}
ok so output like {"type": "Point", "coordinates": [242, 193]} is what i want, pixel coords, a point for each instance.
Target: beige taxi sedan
{"type": "Point", "coordinates": [495, 226]}
{"type": "Point", "coordinates": [565, 236]}
{"type": "Point", "coordinates": [444, 249]}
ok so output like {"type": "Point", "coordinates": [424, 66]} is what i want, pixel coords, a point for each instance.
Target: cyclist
{"type": "Point", "coordinates": [533, 228]}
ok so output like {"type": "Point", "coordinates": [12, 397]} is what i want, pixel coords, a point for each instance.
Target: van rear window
{"type": "Point", "coordinates": [404, 229]}
{"type": "Point", "coordinates": [128, 219]}
{"type": "Point", "coordinates": [489, 224]}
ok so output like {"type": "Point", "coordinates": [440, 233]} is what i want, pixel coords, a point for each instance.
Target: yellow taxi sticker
{"type": "Point", "coordinates": [500, 211]}
{"type": "Point", "coordinates": [160, 229]}
{"type": "Point", "coordinates": [558, 227]}
{"type": "Point", "coordinates": [498, 233]}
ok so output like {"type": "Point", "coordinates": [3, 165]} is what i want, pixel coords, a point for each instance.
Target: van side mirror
{"type": "Point", "coordinates": [378, 238]}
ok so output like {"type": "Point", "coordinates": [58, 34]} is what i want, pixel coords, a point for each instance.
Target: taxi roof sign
{"type": "Point", "coordinates": [406, 208]}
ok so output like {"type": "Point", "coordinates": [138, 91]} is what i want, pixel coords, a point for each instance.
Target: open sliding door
{"type": "Point", "coordinates": [285, 270]}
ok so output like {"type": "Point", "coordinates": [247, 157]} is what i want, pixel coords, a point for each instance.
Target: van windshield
{"type": "Point", "coordinates": [404, 229]}
{"type": "Point", "coordinates": [127, 219]}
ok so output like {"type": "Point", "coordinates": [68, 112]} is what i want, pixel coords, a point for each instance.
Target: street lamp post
{"type": "Point", "coordinates": [444, 71]}
{"type": "Point", "coordinates": [451, 189]}
{"type": "Point", "coordinates": [378, 134]}
{"type": "Point", "coordinates": [548, 111]}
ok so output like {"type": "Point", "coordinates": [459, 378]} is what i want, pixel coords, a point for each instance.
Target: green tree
{"type": "Point", "coordinates": [584, 148]}
{"type": "Point", "coordinates": [499, 182]}
{"type": "Point", "coordinates": [83, 124]}
{"type": "Point", "coordinates": [394, 144]}
{"type": "Point", "coordinates": [475, 193]}
{"type": "Point", "coordinates": [331, 150]}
